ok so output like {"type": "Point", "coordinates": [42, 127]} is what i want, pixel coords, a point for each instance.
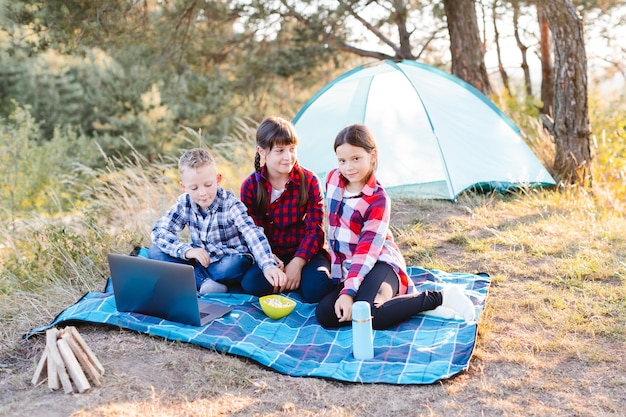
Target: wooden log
{"type": "Point", "coordinates": [53, 374]}
{"type": "Point", "coordinates": [82, 358]}
{"type": "Point", "coordinates": [40, 367]}
{"type": "Point", "coordinates": [55, 362]}
{"type": "Point", "coordinates": [66, 351]}
{"type": "Point", "coordinates": [73, 367]}
{"type": "Point", "coordinates": [81, 342]}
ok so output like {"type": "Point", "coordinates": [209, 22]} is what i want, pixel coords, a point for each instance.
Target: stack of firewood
{"type": "Point", "coordinates": [68, 362]}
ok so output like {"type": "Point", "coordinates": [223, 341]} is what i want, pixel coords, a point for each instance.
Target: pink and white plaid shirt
{"type": "Point", "coordinates": [359, 235]}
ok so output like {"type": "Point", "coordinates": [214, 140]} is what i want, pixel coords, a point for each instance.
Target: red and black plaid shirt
{"type": "Point", "coordinates": [291, 229]}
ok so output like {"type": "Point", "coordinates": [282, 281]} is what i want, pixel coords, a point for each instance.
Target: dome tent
{"type": "Point", "coordinates": [437, 135]}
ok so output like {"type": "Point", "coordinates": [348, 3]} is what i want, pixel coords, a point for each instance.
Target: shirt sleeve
{"type": "Point", "coordinates": [314, 222]}
{"type": "Point", "coordinates": [165, 232]}
{"type": "Point", "coordinates": [253, 235]}
{"type": "Point", "coordinates": [370, 243]}
{"type": "Point", "coordinates": [247, 194]}
{"type": "Point", "coordinates": [333, 198]}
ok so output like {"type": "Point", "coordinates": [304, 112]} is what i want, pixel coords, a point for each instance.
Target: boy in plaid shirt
{"type": "Point", "coordinates": [366, 264]}
{"type": "Point", "coordinates": [225, 242]}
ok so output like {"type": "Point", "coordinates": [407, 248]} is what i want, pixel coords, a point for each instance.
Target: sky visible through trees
{"type": "Point", "coordinates": [605, 35]}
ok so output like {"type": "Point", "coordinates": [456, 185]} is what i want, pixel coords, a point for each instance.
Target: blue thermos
{"type": "Point", "coordinates": [362, 337]}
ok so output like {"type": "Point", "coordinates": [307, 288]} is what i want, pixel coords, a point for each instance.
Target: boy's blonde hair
{"type": "Point", "coordinates": [195, 158]}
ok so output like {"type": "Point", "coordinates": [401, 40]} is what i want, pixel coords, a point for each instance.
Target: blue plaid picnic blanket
{"type": "Point", "coordinates": [422, 350]}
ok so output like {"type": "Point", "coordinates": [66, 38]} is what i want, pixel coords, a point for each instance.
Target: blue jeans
{"type": "Point", "coordinates": [315, 282]}
{"type": "Point", "coordinates": [229, 270]}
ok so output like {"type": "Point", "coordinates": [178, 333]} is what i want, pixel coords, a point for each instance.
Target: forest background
{"type": "Point", "coordinates": [83, 79]}
{"type": "Point", "coordinates": [98, 99]}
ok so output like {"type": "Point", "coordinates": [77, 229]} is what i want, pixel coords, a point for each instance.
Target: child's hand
{"type": "Point", "coordinates": [343, 307]}
{"type": "Point", "coordinates": [200, 255]}
{"type": "Point", "coordinates": [281, 264]}
{"type": "Point", "coordinates": [276, 277]}
{"type": "Point", "coordinates": [293, 272]}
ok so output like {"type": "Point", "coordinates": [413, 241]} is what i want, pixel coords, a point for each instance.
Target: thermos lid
{"type": "Point", "coordinates": [361, 311]}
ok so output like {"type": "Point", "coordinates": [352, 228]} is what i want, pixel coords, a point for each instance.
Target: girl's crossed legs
{"type": "Point", "coordinates": [380, 289]}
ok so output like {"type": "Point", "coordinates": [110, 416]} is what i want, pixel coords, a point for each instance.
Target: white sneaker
{"type": "Point", "coordinates": [455, 299]}
{"type": "Point", "coordinates": [211, 287]}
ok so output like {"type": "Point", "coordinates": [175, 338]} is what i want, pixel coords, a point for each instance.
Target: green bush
{"type": "Point", "coordinates": [38, 176]}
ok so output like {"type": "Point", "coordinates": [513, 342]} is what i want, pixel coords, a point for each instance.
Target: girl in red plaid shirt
{"type": "Point", "coordinates": [366, 264]}
{"type": "Point", "coordinates": [286, 200]}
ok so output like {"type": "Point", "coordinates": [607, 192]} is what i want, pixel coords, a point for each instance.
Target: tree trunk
{"type": "Point", "coordinates": [496, 40]}
{"type": "Point", "coordinates": [468, 58]}
{"type": "Point", "coordinates": [401, 17]}
{"type": "Point", "coordinates": [547, 71]}
{"type": "Point", "coordinates": [570, 124]}
{"type": "Point", "coordinates": [523, 49]}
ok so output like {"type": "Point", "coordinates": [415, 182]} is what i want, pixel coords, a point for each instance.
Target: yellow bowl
{"type": "Point", "coordinates": [276, 306]}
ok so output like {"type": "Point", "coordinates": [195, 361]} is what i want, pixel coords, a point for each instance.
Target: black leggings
{"type": "Point", "coordinates": [380, 289]}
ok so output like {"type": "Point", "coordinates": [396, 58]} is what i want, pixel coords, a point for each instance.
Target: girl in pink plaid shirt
{"type": "Point", "coordinates": [366, 264]}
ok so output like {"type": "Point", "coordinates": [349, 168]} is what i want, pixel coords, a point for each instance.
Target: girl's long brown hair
{"type": "Point", "coordinates": [275, 131]}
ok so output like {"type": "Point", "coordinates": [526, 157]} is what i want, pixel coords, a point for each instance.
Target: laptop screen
{"type": "Point", "coordinates": [155, 288]}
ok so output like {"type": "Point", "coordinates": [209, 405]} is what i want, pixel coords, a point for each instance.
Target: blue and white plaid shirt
{"type": "Point", "coordinates": [225, 228]}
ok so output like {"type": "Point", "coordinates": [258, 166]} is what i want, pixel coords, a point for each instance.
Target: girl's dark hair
{"type": "Point", "coordinates": [276, 131]}
{"type": "Point", "coordinates": [357, 135]}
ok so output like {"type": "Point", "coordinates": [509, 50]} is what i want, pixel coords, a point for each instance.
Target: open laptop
{"type": "Point", "coordinates": [161, 289]}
